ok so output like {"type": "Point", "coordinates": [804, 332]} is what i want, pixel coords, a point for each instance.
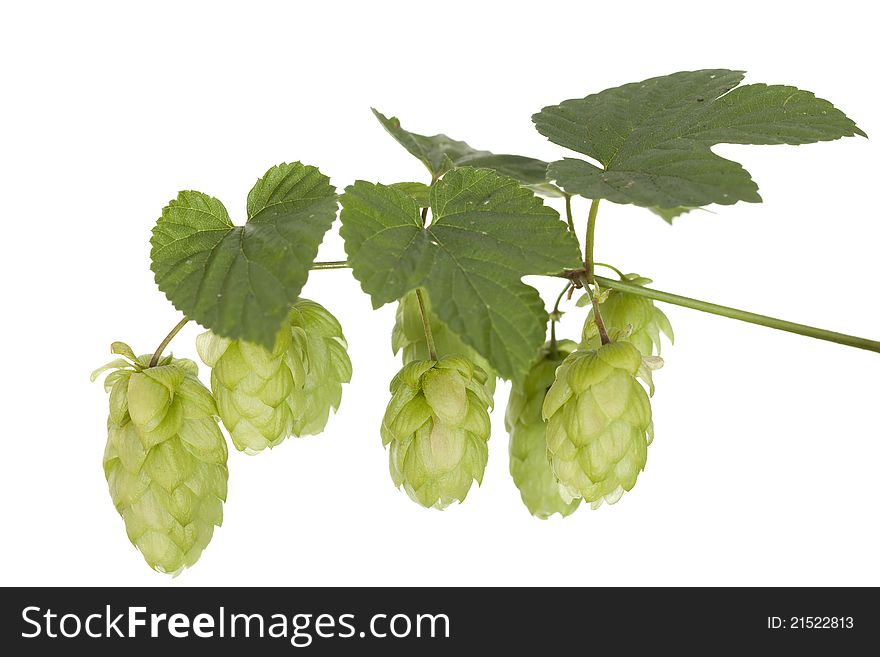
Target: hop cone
{"type": "Point", "coordinates": [265, 396]}
{"type": "Point", "coordinates": [165, 459]}
{"type": "Point", "coordinates": [436, 427]}
{"type": "Point", "coordinates": [408, 337]}
{"type": "Point", "coordinates": [529, 465]}
{"type": "Point", "coordinates": [598, 423]}
{"type": "Point", "coordinates": [621, 309]}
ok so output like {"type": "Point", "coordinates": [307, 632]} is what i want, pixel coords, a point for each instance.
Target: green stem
{"type": "Point", "coordinates": [168, 338]}
{"type": "Point", "coordinates": [694, 304]}
{"type": "Point", "coordinates": [568, 215]}
{"type": "Point", "coordinates": [611, 267]}
{"type": "Point", "coordinates": [332, 264]}
{"type": "Point", "coordinates": [597, 316]}
{"type": "Point", "coordinates": [426, 323]}
{"type": "Point", "coordinates": [554, 317]}
{"type": "Point", "coordinates": [742, 315]}
{"type": "Point", "coordinates": [589, 267]}
{"type": "Point", "coordinates": [591, 235]}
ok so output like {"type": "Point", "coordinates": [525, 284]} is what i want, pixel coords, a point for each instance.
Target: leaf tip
{"type": "Point", "coordinates": [387, 122]}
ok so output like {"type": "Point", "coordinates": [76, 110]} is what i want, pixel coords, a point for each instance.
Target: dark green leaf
{"type": "Point", "coordinates": [431, 151]}
{"type": "Point", "coordinates": [440, 154]}
{"type": "Point", "coordinates": [653, 138]}
{"type": "Point", "coordinates": [486, 233]}
{"type": "Point", "coordinates": [527, 170]}
{"type": "Point", "coordinates": [240, 281]}
{"type": "Point", "coordinates": [668, 214]}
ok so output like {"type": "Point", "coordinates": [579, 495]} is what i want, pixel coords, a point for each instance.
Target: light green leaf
{"type": "Point", "coordinates": [117, 363]}
{"type": "Point", "coordinates": [122, 349]}
{"type": "Point", "coordinates": [240, 281]}
{"type": "Point", "coordinates": [486, 233]}
{"type": "Point", "coordinates": [419, 191]}
{"type": "Point", "coordinates": [653, 138]}
{"type": "Point", "coordinates": [440, 154]}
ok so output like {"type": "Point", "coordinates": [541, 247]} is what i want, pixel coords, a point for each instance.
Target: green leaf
{"type": "Point", "coordinates": [486, 233]}
{"type": "Point", "coordinates": [527, 170]}
{"type": "Point", "coordinates": [240, 281]}
{"type": "Point", "coordinates": [440, 154]}
{"type": "Point", "coordinates": [419, 191]}
{"type": "Point", "coordinates": [653, 138]}
{"type": "Point", "coordinates": [436, 152]}
{"type": "Point", "coordinates": [668, 214]}
{"type": "Point", "coordinates": [122, 349]}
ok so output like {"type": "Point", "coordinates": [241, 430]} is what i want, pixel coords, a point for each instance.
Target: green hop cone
{"type": "Point", "coordinates": [529, 465]}
{"type": "Point", "coordinates": [598, 423]}
{"type": "Point", "coordinates": [408, 337]}
{"type": "Point", "coordinates": [621, 310]}
{"type": "Point", "coordinates": [436, 427]}
{"type": "Point", "coordinates": [265, 396]}
{"type": "Point", "coordinates": [326, 364]}
{"type": "Point", "coordinates": [165, 459]}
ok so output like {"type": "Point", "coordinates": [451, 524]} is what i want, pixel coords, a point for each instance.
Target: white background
{"type": "Point", "coordinates": [764, 469]}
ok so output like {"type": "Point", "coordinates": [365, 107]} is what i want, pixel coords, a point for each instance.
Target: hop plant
{"type": "Point", "coordinates": [529, 464]}
{"type": "Point", "coordinates": [436, 427]}
{"type": "Point", "coordinates": [165, 459]}
{"type": "Point", "coordinates": [579, 429]}
{"type": "Point", "coordinates": [408, 337]}
{"type": "Point", "coordinates": [621, 310]}
{"type": "Point", "coordinates": [598, 422]}
{"type": "Point", "coordinates": [265, 396]}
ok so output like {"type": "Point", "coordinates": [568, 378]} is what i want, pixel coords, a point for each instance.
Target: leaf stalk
{"type": "Point", "coordinates": [554, 317]}
{"type": "Point", "coordinates": [591, 236]}
{"type": "Point", "coordinates": [426, 323]}
{"type": "Point", "coordinates": [568, 214]}
{"type": "Point", "coordinates": [331, 264]}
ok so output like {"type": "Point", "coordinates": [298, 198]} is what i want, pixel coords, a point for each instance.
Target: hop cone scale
{"type": "Point", "coordinates": [598, 423]}
{"type": "Point", "coordinates": [408, 337]}
{"type": "Point", "coordinates": [529, 464]}
{"type": "Point", "coordinates": [621, 309]}
{"type": "Point", "coordinates": [165, 459]}
{"type": "Point", "coordinates": [265, 396]}
{"type": "Point", "coordinates": [436, 427]}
